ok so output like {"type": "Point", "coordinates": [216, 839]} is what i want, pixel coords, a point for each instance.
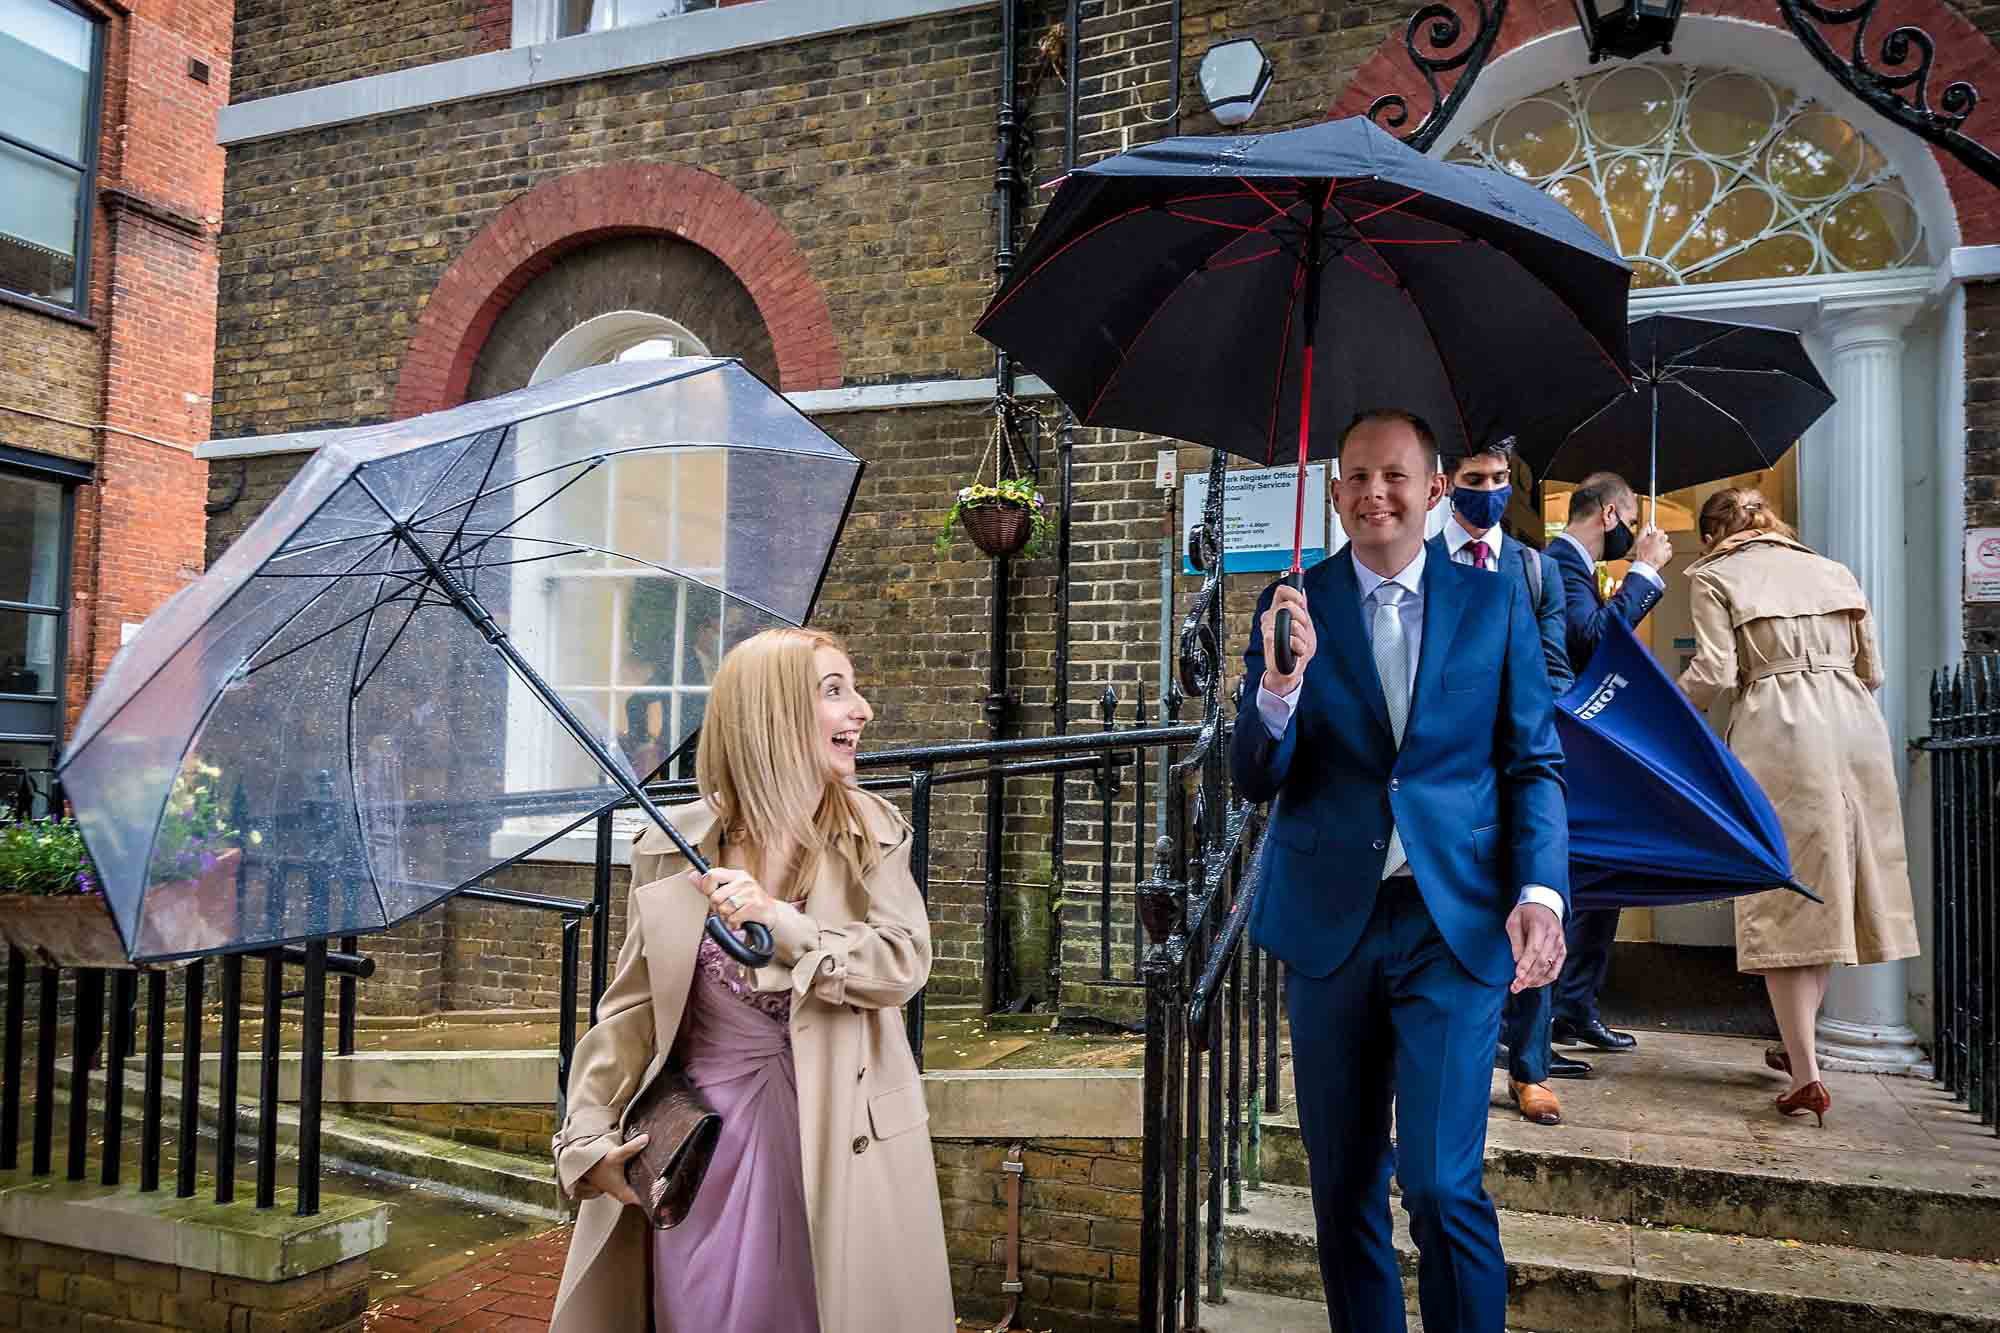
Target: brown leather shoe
{"type": "Point", "coordinates": [1537, 1103]}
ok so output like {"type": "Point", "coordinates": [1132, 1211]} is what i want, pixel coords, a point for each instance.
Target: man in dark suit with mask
{"type": "Point", "coordinates": [1603, 520]}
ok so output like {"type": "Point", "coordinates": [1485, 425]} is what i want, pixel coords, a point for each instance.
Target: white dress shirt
{"type": "Point", "coordinates": [1639, 567]}
{"type": "Point", "coordinates": [1276, 709]}
{"type": "Point", "coordinates": [1459, 542]}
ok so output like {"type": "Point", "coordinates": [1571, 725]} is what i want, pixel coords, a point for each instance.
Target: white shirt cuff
{"type": "Point", "coordinates": [1647, 572]}
{"type": "Point", "coordinates": [1276, 710]}
{"type": "Point", "coordinates": [1545, 896]}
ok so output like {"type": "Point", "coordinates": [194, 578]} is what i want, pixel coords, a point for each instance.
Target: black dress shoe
{"type": "Point", "coordinates": [1593, 1033]}
{"type": "Point", "coordinates": [1561, 1066]}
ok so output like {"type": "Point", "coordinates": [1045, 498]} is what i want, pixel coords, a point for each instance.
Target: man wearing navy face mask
{"type": "Point", "coordinates": [1480, 489]}
{"type": "Point", "coordinates": [1603, 514]}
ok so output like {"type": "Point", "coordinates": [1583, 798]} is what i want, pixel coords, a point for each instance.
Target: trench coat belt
{"type": "Point", "coordinates": [1811, 661]}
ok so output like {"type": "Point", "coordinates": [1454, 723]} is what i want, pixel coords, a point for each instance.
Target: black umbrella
{"type": "Point", "coordinates": [390, 684]}
{"type": "Point", "coordinates": [1727, 398]}
{"type": "Point", "coordinates": [1232, 290]}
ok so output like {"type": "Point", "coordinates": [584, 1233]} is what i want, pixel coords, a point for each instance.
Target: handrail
{"type": "Point", "coordinates": [1243, 817]}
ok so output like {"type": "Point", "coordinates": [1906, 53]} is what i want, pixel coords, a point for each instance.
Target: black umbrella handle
{"type": "Point", "coordinates": [1281, 634]}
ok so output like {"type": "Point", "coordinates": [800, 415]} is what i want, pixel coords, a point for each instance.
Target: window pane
{"type": "Point", "coordinates": [25, 778]}
{"type": "Point", "coordinates": [30, 540]}
{"type": "Point", "coordinates": [45, 67]}
{"type": "Point", "coordinates": [38, 202]}
{"type": "Point", "coordinates": [27, 653]}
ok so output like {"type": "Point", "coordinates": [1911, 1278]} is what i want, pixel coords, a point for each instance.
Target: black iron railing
{"type": "Point", "coordinates": [103, 1035]}
{"type": "Point", "coordinates": [1964, 746]}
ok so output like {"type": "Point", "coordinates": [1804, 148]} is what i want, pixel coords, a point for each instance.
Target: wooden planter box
{"type": "Point", "coordinates": [63, 930]}
{"type": "Point", "coordinates": [76, 930]}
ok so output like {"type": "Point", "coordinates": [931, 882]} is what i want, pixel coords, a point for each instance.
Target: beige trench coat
{"type": "Point", "coordinates": [857, 953]}
{"type": "Point", "coordinates": [1790, 632]}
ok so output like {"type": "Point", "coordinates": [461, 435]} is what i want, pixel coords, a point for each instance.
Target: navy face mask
{"type": "Point", "coordinates": [1480, 509]}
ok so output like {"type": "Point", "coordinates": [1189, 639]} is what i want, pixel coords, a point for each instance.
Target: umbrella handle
{"type": "Point", "coordinates": [1281, 634]}
{"type": "Point", "coordinates": [753, 950]}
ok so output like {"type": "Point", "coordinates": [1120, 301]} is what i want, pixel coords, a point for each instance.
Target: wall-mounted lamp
{"type": "Point", "coordinates": [1627, 29]}
{"type": "Point", "coordinates": [1234, 78]}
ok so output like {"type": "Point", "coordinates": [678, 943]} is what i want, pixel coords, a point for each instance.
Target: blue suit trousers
{"type": "Point", "coordinates": [1400, 1005]}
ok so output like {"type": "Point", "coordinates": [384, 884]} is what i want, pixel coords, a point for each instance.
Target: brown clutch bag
{"type": "Point", "coordinates": [682, 1130]}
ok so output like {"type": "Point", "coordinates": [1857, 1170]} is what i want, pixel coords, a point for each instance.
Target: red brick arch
{"type": "Point", "coordinates": [573, 210]}
{"type": "Point", "coordinates": [1963, 52]}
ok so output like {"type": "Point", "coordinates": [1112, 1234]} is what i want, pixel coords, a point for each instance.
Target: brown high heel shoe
{"type": "Point", "coordinates": [1775, 1057]}
{"type": "Point", "coordinates": [1812, 1097]}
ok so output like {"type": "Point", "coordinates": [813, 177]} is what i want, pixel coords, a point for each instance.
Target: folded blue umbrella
{"type": "Point", "coordinates": [1660, 812]}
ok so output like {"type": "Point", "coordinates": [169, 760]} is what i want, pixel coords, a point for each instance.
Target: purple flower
{"type": "Point", "coordinates": [207, 862]}
{"type": "Point", "coordinates": [85, 883]}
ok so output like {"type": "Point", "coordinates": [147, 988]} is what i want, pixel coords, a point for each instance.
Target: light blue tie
{"type": "Point", "coordinates": [1392, 664]}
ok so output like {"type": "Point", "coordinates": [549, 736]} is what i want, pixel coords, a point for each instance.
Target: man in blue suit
{"type": "Point", "coordinates": [1416, 871]}
{"type": "Point", "coordinates": [1481, 484]}
{"type": "Point", "coordinates": [1603, 515]}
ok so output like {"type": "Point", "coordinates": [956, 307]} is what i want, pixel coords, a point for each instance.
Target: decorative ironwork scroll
{"type": "Point", "coordinates": [1433, 38]}
{"type": "Point", "coordinates": [1899, 87]}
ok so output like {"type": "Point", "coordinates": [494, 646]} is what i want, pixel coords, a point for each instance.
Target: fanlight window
{"type": "Point", "coordinates": [1705, 175]}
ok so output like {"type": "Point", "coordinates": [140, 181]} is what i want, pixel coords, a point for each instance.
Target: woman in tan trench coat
{"type": "Point", "coordinates": [1790, 632]}
{"type": "Point", "coordinates": [853, 942]}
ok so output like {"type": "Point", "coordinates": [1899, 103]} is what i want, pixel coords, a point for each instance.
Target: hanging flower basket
{"type": "Point", "coordinates": [1006, 518]}
{"type": "Point", "coordinates": [998, 529]}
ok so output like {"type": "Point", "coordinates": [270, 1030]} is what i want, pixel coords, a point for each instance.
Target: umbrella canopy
{"type": "Point", "coordinates": [1660, 812]}
{"type": "Point", "coordinates": [1231, 290]}
{"type": "Point", "coordinates": [426, 657]}
{"type": "Point", "coordinates": [1708, 400]}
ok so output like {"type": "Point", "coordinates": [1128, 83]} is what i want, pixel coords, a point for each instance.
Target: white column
{"type": "Point", "coordinates": [1864, 1025]}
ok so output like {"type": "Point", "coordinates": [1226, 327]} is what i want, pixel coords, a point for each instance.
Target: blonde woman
{"type": "Point", "coordinates": [1790, 632]}
{"type": "Point", "coordinates": [820, 1209]}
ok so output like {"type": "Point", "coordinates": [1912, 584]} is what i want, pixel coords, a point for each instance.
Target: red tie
{"type": "Point", "coordinates": [1481, 555]}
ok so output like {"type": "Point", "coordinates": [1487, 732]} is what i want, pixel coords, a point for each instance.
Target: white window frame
{"type": "Point", "coordinates": [539, 21]}
{"type": "Point", "coordinates": [531, 734]}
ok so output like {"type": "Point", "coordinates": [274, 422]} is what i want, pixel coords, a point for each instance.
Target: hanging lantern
{"type": "Point", "coordinates": [1628, 29]}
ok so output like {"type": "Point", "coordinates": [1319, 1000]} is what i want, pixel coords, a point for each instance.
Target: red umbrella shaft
{"type": "Point", "coordinates": [1305, 438]}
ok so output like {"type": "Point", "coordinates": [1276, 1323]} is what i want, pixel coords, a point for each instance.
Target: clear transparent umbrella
{"type": "Point", "coordinates": [443, 645]}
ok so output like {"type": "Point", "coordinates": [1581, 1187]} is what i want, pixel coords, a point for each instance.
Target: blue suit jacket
{"type": "Point", "coordinates": [1551, 617]}
{"type": "Point", "coordinates": [1475, 790]}
{"type": "Point", "coordinates": [1589, 615]}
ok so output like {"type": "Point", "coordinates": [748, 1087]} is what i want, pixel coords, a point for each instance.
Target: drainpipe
{"type": "Point", "coordinates": [1012, 1286]}
{"type": "Point", "coordinates": [1005, 187]}
{"type": "Point", "coordinates": [1066, 441]}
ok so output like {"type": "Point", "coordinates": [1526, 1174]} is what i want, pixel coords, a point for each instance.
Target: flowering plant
{"type": "Point", "coordinates": [44, 857]}
{"type": "Point", "coordinates": [195, 831]}
{"type": "Point", "coordinates": [1012, 492]}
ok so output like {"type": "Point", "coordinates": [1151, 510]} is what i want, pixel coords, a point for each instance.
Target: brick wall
{"type": "Point", "coordinates": [322, 286]}
{"type": "Point", "coordinates": [143, 365]}
{"type": "Point", "coordinates": [59, 1287]}
{"type": "Point", "coordinates": [1079, 1229]}
{"type": "Point", "coordinates": [284, 45]}
{"type": "Point", "coordinates": [48, 367]}
{"type": "Point", "coordinates": [1982, 442]}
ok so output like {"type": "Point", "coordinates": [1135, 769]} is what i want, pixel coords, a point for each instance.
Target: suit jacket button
{"type": "Point", "coordinates": [1381, 844]}
{"type": "Point", "coordinates": [861, 1143]}
{"type": "Point", "coordinates": [1395, 784]}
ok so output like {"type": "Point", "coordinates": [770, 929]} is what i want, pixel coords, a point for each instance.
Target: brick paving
{"type": "Point", "coordinates": [513, 1291]}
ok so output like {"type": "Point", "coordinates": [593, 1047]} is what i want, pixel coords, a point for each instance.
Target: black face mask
{"type": "Point", "coordinates": [1618, 541]}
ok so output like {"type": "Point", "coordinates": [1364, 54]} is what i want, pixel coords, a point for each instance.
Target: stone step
{"type": "Point", "coordinates": [502, 1182]}
{"type": "Point", "coordinates": [1686, 1137]}
{"type": "Point", "coordinates": [1570, 1275]}
{"type": "Point", "coordinates": [1261, 1312]}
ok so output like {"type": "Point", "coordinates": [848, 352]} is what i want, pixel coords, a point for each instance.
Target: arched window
{"type": "Point", "coordinates": [1703, 175]}
{"type": "Point", "coordinates": [633, 649]}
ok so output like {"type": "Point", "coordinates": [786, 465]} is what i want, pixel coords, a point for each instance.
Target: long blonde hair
{"type": "Point", "coordinates": [760, 761]}
{"type": "Point", "coordinates": [1740, 509]}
